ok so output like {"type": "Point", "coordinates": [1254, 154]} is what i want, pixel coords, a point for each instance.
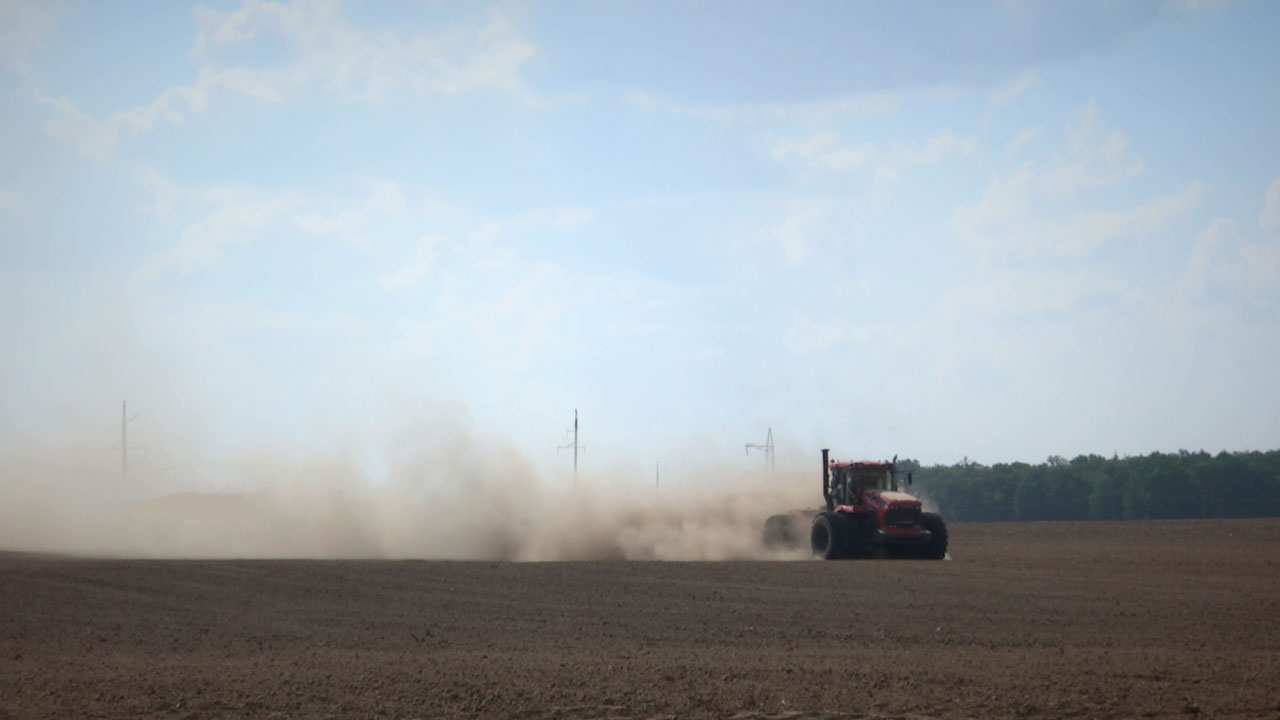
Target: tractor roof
{"type": "Point", "coordinates": [863, 464]}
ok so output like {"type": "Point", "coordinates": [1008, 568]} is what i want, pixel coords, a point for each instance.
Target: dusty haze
{"type": "Point", "coordinates": [448, 494]}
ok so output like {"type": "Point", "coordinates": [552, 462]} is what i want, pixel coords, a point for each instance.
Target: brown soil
{"type": "Point", "coordinates": [1152, 619]}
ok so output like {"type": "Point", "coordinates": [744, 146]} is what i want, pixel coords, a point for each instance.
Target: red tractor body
{"type": "Point", "coordinates": [865, 511]}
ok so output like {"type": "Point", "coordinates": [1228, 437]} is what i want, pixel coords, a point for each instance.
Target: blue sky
{"type": "Point", "coordinates": [996, 230]}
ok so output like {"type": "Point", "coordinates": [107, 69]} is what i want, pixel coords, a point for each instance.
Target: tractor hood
{"type": "Point", "coordinates": [892, 498]}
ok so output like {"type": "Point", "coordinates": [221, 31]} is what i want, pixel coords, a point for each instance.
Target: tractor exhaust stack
{"type": "Point", "coordinates": [826, 479]}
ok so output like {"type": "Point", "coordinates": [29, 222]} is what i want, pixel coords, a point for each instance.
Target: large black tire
{"type": "Point", "coordinates": [779, 533]}
{"type": "Point", "coordinates": [936, 548]}
{"type": "Point", "coordinates": [829, 536]}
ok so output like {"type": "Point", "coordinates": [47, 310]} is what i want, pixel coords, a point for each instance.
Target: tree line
{"type": "Point", "coordinates": [1092, 487]}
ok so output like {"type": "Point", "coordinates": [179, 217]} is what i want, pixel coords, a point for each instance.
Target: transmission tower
{"type": "Point", "coordinates": [767, 447]}
{"type": "Point", "coordinates": [575, 446]}
{"type": "Point", "coordinates": [124, 436]}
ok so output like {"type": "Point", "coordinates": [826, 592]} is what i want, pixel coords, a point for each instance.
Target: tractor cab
{"type": "Point", "coordinates": [849, 479]}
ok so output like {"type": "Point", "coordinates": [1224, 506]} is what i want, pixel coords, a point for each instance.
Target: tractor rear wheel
{"type": "Point", "coordinates": [829, 536]}
{"type": "Point", "coordinates": [779, 533]}
{"type": "Point", "coordinates": [936, 548]}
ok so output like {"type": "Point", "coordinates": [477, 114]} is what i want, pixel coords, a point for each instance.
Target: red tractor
{"type": "Point", "coordinates": [865, 512]}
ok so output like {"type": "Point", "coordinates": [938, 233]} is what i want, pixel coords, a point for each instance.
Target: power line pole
{"type": "Point", "coordinates": [767, 447]}
{"type": "Point", "coordinates": [575, 446]}
{"type": "Point", "coordinates": [124, 435]}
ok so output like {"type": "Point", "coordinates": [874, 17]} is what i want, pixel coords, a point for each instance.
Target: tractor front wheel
{"type": "Point", "coordinates": [936, 548]}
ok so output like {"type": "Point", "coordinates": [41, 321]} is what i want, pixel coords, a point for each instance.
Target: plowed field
{"type": "Point", "coordinates": [1148, 619]}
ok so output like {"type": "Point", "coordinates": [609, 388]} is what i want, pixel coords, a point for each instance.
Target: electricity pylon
{"type": "Point", "coordinates": [767, 447]}
{"type": "Point", "coordinates": [575, 447]}
{"type": "Point", "coordinates": [124, 435]}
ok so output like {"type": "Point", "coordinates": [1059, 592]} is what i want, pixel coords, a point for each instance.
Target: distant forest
{"type": "Point", "coordinates": [1092, 487]}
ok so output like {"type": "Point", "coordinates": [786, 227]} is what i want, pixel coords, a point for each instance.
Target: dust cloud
{"type": "Point", "coordinates": [453, 497]}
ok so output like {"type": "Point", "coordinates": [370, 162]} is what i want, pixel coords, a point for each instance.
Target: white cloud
{"type": "Point", "coordinates": [1205, 253]}
{"type": "Point", "coordinates": [359, 63]}
{"type": "Point", "coordinates": [484, 253]}
{"type": "Point", "coordinates": [556, 218]}
{"type": "Point", "coordinates": [415, 270]}
{"type": "Point", "coordinates": [825, 151]}
{"type": "Point", "coordinates": [24, 25]}
{"type": "Point", "coordinates": [172, 105]}
{"type": "Point", "coordinates": [1087, 231]}
{"type": "Point", "coordinates": [873, 171]}
{"type": "Point", "coordinates": [1041, 208]}
{"type": "Point", "coordinates": [934, 150]}
{"type": "Point", "coordinates": [165, 193]}
{"type": "Point", "coordinates": [827, 110]}
{"type": "Point", "coordinates": [1096, 157]}
{"type": "Point", "coordinates": [1223, 258]}
{"type": "Point", "coordinates": [1009, 293]}
{"type": "Point", "coordinates": [201, 244]}
{"type": "Point", "coordinates": [230, 217]}
{"type": "Point", "coordinates": [343, 222]}
{"type": "Point", "coordinates": [1259, 266]}
{"type": "Point", "coordinates": [350, 219]}
{"type": "Point", "coordinates": [75, 127]}
{"type": "Point", "coordinates": [797, 229]}
{"type": "Point", "coordinates": [518, 325]}
{"type": "Point", "coordinates": [232, 28]}
{"type": "Point", "coordinates": [220, 216]}
{"type": "Point", "coordinates": [385, 196]}
{"type": "Point", "coordinates": [1269, 218]}
{"type": "Point", "coordinates": [328, 52]}
{"type": "Point", "coordinates": [506, 319]}
{"type": "Point", "coordinates": [811, 112]}
{"type": "Point", "coordinates": [1014, 88]}
{"type": "Point", "coordinates": [811, 339]}
{"type": "Point", "coordinates": [1026, 137]}
{"type": "Point", "coordinates": [643, 101]}
{"type": "Point", "coordinates": [1008, 221]}
{"type": "Point", "coordinates": [98, 138]}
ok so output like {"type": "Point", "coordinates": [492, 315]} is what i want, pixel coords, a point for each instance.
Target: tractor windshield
{"type": "Point", "coordinates": [848, 482]}
{"type": "Point", "coordinates": [872, 479]}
